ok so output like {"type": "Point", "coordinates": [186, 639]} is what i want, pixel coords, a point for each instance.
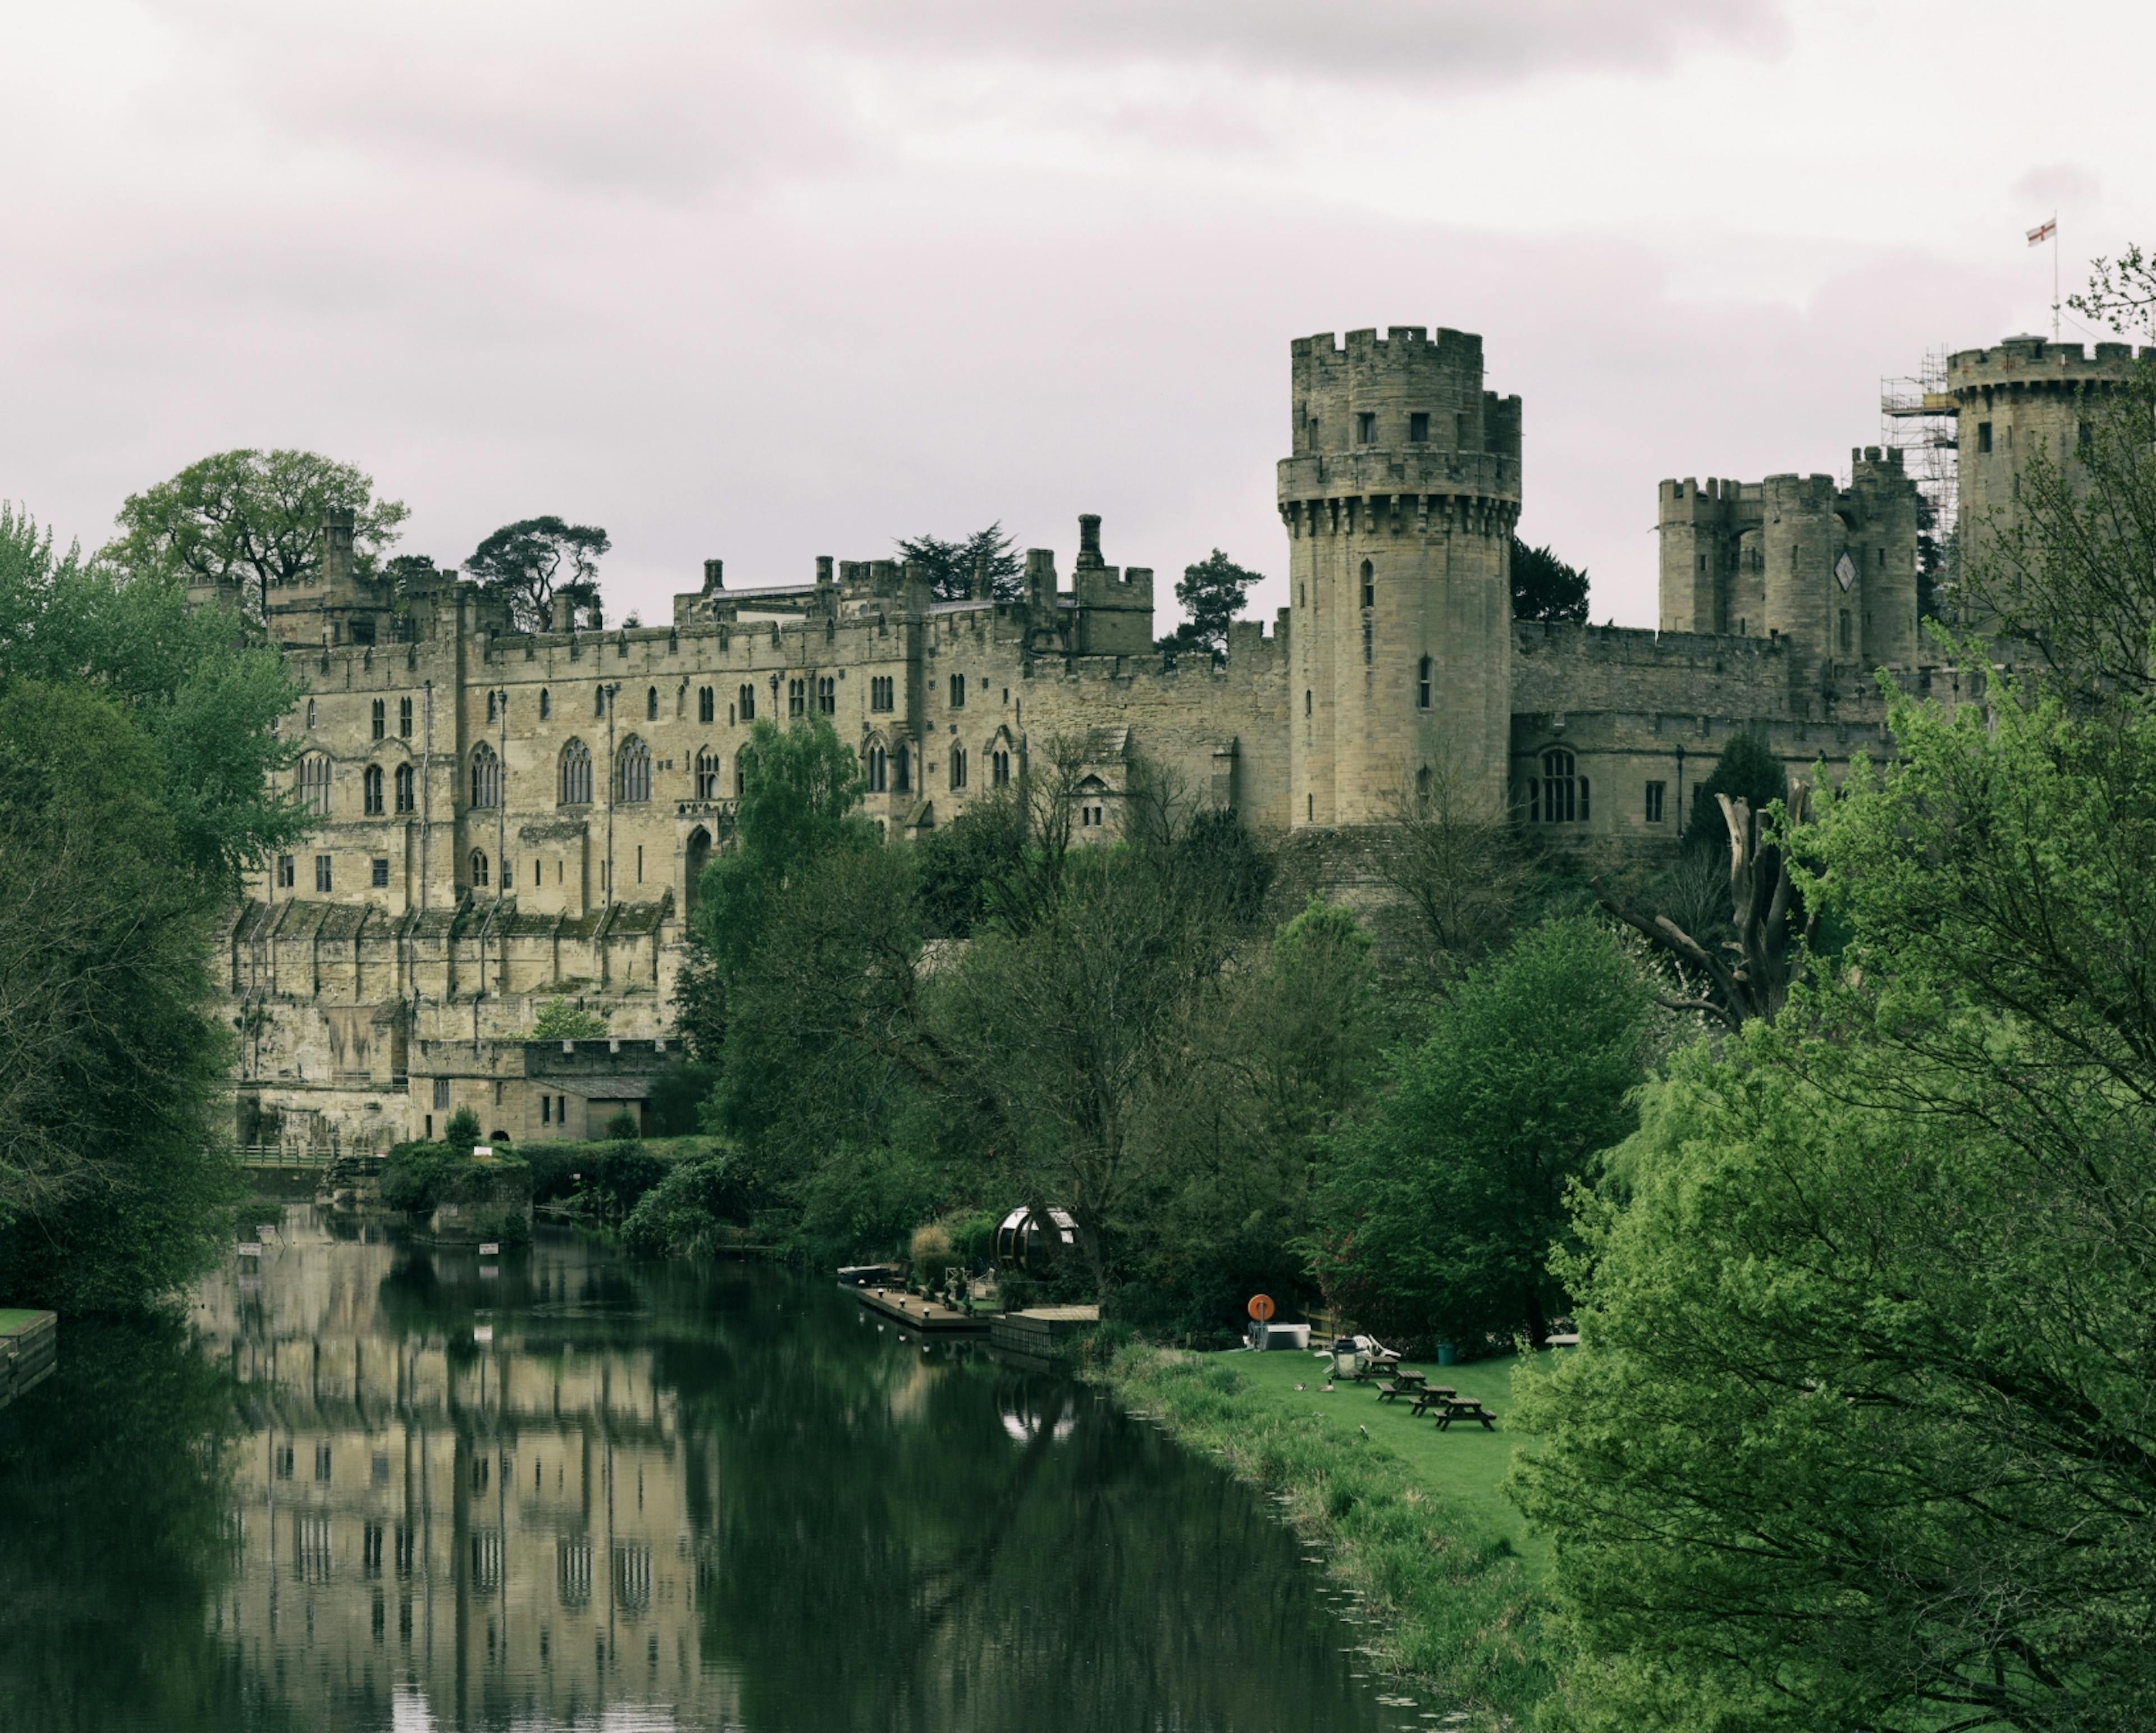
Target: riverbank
{"type": "Point", "coordinates": [1412, 1518]}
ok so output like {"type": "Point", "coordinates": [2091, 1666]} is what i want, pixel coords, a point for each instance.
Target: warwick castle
{"type": "Point", "coordinates": [506, 818]}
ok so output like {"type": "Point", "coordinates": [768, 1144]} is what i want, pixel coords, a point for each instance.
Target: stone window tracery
{"type": "Point", "coordinates": [576, 777]}
{"type": "Point", "coordinates": [633, 772]}
{"type": "Point", "coordinates": [485, 777]}
{"type": "Point", "coordinates": [371, 791]}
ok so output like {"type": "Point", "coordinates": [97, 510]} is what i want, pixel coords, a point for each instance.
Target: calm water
{"type": "Point", "coordinates": [377, 1486]}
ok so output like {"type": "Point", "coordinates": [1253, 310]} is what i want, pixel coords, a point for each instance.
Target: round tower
{"type": "Point", "coordinates": [1399, 501]}
{"type": "Point", "coordinates": [2026, 395]}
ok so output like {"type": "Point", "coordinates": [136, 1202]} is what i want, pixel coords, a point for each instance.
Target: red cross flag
{"type": "Point", "coordinates": [2043, 232]}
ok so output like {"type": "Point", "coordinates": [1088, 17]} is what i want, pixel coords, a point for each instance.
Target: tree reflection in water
{"type": "Point", "coordinates": [559, 1486]}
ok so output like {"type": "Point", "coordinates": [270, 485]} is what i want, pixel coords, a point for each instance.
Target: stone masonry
{"type": "Point", "coordinates": [507, 817]}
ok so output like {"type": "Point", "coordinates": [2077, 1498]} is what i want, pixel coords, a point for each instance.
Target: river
{"type": "Point", "coordinates": [368, 1484]}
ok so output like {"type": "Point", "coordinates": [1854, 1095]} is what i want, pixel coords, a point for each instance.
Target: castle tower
{"type": "Point", "coordinates": [1830, 570]}
{"type": "Point", "coordinates": [1399, 501]}
{"type": "Point", "coordinates": [2027, 395]}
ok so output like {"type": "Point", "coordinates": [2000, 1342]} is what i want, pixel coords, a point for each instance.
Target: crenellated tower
{"type": "Point", "coordinates": [1399, 501]}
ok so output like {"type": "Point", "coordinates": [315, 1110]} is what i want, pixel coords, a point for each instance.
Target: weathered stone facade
{"type": "Point", "coordinates": [507, 817]}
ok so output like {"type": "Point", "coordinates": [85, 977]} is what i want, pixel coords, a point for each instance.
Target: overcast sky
{"type": "Point", "coordinates": [783, 277]}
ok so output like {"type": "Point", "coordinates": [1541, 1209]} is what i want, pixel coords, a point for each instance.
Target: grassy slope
{"type": "Point", "coordinates": [1412, 1517]}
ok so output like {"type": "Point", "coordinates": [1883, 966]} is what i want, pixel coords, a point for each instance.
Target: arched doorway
{"type": "Point", "coordinates": [698, 857]}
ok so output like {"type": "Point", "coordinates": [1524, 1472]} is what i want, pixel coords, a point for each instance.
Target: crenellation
{"type": "Point", "coordinates": [533, 815]}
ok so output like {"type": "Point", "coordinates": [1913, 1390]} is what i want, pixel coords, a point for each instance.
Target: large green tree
{"type": "Point", "coordinates": [135, 788]}
{"type": "Point", "coordinates": [253, 519]}
{"type": "Point", "coordinates": [1212, 593]}
{"type": "Point", "coordinates": [1438, 1209]}
{"type": "Point", "coordinates": [956, 570]}
{"type": "Point", "coordinates": [540, 566]}
{"type": "Point", "coordinates": [1860, 1433]}
{"type": "Point", "coordinates": [1544, 588]}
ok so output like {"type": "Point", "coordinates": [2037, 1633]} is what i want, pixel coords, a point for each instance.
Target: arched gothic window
{"type": "Point", "coordinates": [708, 703]}
{"type": "Point", "coordinates": [999, 769]}
{"type": "Point", "coordinates": [546, 704]}
{"type": "Point", "coordinates": [479, 870]}
{"type": "Point", "coordinates": [485, 777]}
{"type": "Point", "coordinates": [902, 771]}
{"type": "Point", "coordinates": [492, 698]}
{"type": "Point", "coordinates": [958, 767]}
{"type": "Point", "coordinates": [651, 704]}
{"type": "Point", "coordinates": [878, 770]}
{"type": "Point", "coordinates": [741, 772]}
{"type": "Point", "coordinates": [748, 704]}
{"type": "Point", "coordinates": [405, 780]}
{"type": "Point", "coordinates": [1423, 684]}
{"type": "Point", "coordinates": [598, 700]}
{"type": "Point", "coordinates": [632, 775]}
{"type": "Point", "coordinates": [314, 782]}
{"type": "Point", "coordinates": [1559, 795]}
{"type": "Point", "coordinates": [370, 788]}
{"type": "Point", "coordinates": [575, 775]}
{"type": "Point", "coordinates": [707, 774]}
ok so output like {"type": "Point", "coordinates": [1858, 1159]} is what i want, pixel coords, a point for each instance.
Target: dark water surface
{"type": "Point", "coordinates": [381, 1486]}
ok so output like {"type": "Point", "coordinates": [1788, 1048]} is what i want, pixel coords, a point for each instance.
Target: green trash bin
{"type": "Point", "coordinates": [1445, 1353]}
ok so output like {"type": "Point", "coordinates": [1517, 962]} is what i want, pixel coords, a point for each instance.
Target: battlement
{"type": "Point", "coordinates": [2023, 360]}
{"type": "Point", "coordinates": [1408, 387]}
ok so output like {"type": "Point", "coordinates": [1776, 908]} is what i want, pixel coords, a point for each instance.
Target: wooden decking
{"type": "Point", "coordinates": [29, 1345]}
{"type": "Point", "coordinates": [929, 1316]}
{"type": "Point", "coordinates": [1036, 1330]}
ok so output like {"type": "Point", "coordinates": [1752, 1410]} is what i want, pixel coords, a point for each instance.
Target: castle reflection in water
{"type": "Point", "coordinates": [490, 1507]}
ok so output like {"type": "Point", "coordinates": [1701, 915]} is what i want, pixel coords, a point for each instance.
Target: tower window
{"type": "Point", "coordinates": [706, 705]}
{"type": "Point", "coordinates": [404, 788]}
{"type": "Point", "coordinates": [827, 695]}
{"type": "Point", "coordinates": [322, 874]}
{"type": "Point", "coordinates": [958, 767]}
{"type": "Point", "coordinates": [1369, 633]}
{"type": "Point", "coordinates": [380, 722]}
{"type": "Point", "coordinates": [1369, 585]}
{"type": "Point", "coordinates": [575, 775]}
{"type": "Point", "coordinates": [2083, 433]}
{"type": "Point", "coordinates": [1418, 427]}
{"type": "Point", "coordinates": [546, 704]}
{"type": "Point", "coordinates": [880, 692]}
{"type": "Point", "coordinates": [632, 773]}
{"type": "Point", "coordinates": [283, 872]}
{"type": "Point", "coordinates": [1844, 631]}
{"type": "Point", "coordinates": [1984, 436]}
{"type": "Point", "coordinates": [479, 870]}
{"type": "Point", "coordinates": [485, 777]}
{"type": "Point", "coordinates": [651, 704]}
{"type": "Point", "coordinates": [371, 785]}
{"type": "Point", "coordinates": [902, 771]}
{"type": "Point", "coordinates": [958, 691]}
{"type": "Point", "coordinates": [747, 700]}
{"type": "Point", "coordinates": [1423, 684]}
{"type": "Point", "coordinates": [707, 774]}
{"type": "Point", "coordinates": [1305, 700]}
{"type": "Point", "coordinates": [1564, 793]}
{"type": "Point", "coordinates": [1366, 427]}
{"type": "Point", "coordinates": [1654, 802]}
{"type": "Point", "coordinates": [598, 700]}
{"type": "Point", "coordinates": [404, 719]}
{"type": "Point", "coordinates": [878, 770]}
{"type": "Point", "coordinates": [796, 698]}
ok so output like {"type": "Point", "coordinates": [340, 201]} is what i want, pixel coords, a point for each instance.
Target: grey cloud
{"type": "Point", "coordinates": [2054, 184]}
{"type": "Point", "coordinates": [668, 102]}
{"type": "Point", "coordinates": [1420, 41]}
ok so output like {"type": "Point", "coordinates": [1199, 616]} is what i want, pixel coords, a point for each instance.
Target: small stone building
{"type": "Point", "coordinates": [535, 1091]}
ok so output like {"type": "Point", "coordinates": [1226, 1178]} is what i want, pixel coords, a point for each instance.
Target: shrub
{"type": "Point", "coordinates": [622, 1127]}
{"type": "Point", "coordinates": [677, 1094]}
{"type": "Point", "coordinates": [617, 1180]}
{"type": "Point", "coordinates": [558, 1020]}
{"type": "Point", "coordinates": [931, 1245]}
{"type": "Point", "coordinates": [462, 1131]}
{"type": "Point", "coordinates": [689, 1210]}
{"type": "Point", "coordinates": [417, 1177]}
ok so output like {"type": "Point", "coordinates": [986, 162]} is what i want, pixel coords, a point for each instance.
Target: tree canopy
{"type": "Point", "coordinates": [1436, 1209]}
{"type": "Point", "coordinates": [954, 569]}
{"type": "Point", "coordinates": [539, 563]}
{"type": "Point", "coordinates": [253, 519]}
{"type": "Point", "coordinates": [1544, 588]}
{"type": "Point", "coordinates": [1212, 593]}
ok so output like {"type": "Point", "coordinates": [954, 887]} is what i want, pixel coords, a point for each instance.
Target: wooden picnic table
{"type": "Point", "coordinates": [1466, 1408]}
{"type": "Point", "coordinates": [1431, 1395]}
{"type": "Point", "coordinates": [1406, 1375]}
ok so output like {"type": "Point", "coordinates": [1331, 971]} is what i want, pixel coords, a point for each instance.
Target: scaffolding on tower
{"type": "Point", "coordinates": [1918, 418]}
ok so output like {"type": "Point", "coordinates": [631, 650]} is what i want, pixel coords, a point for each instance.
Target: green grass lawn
{"type": "Point", "coordinates": [13, 1318]}
{"type": "Point", "coordinates": [1464, 1462]}
{"type": "Point", "coordinates": [1414, 1520]}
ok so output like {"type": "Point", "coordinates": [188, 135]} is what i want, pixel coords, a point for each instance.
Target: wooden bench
{"type": "Point", "coordinates": [1431, 1395]}
{"type": "Point", "coordinates": [1466, 1408]}
{"type": "Point", "coordinates": [1392, 1387]}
